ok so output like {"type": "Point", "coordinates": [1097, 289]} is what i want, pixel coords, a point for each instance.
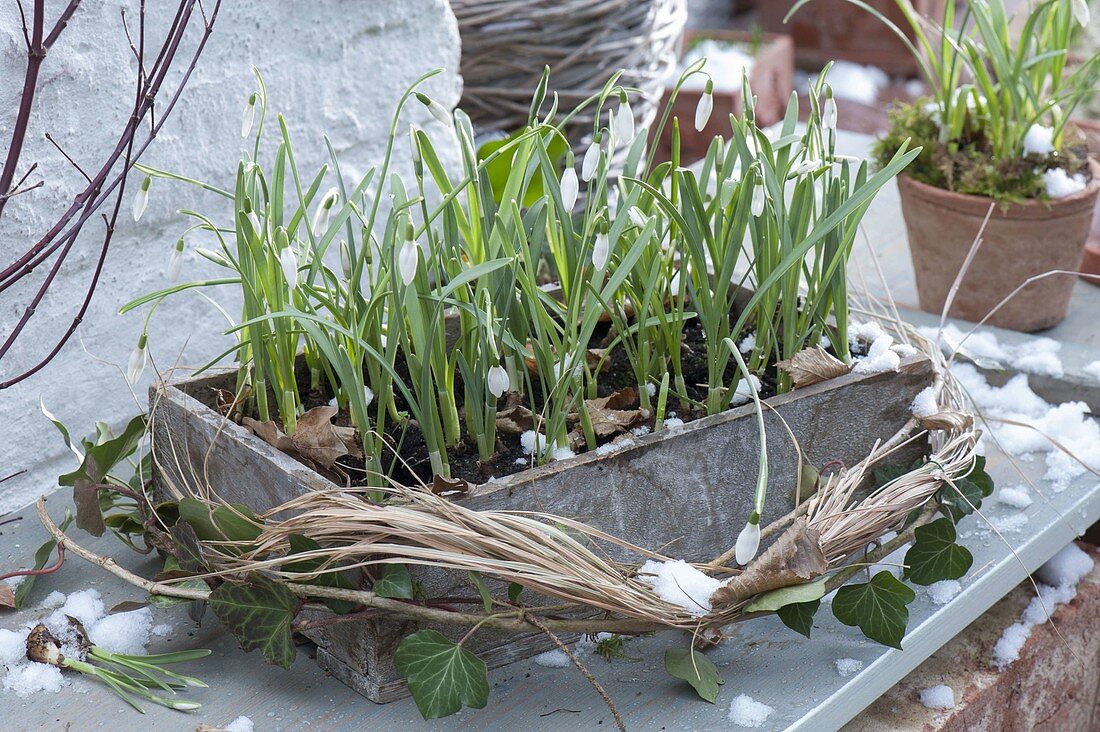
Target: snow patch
{"type": "Point", "coordinates": [938, 697]}
{"type": "Point", "coordinates": [679, 583]}
{"type": "Point", "coordinates": [32, 678]}
{"type": "Point", "coordinates": [1015, 497]}
{"type": "Point", "coordinates": [747, 712]}
{"type": "Point", "coordinates": [848, 666]}
{"type": "Point", "coordinates": [1060, 184]}
{"type": "Point", "coordinates": [240, 724]}
{"type": "Point", "coordinates": [1039, 140]}
{"type": "Point", "coordinates": [1067, 567]}
{"type": "Point", "coordinates": [743, 394]}
{"type": "Point", "coordinates": [726, 63]}
{"type": "Point", "coordinates": [944, 591]}
{"type": "Point", "coordinates": [1092, 369]}
{"type": "Point", "coordinates": [924, 403]}
{"type": "Point", "coordinates": [553, 659]}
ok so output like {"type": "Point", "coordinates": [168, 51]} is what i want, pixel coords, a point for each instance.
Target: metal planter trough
{"type": "Point", "coordinates": [685, 491]}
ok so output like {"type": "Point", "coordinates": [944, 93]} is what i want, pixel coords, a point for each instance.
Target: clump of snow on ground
{"type": "Point", "coordinates": [1092, 369]}
{"type": "Point", "coordinates": [530, 441]}
{"type": "Point", "coordinates": [1016, 497]}
{"type": "Point", "coordinates": [240, 724]}
{"type": "Point", "coordinates": [553, 659]}
{"type": "Point", "coordinates": [924, 403]}
{"type": "Point", "coordinates": [1060, 184]}
{"type": "Point", "coordinates": [1036, 356]}
{"type": "Point", "coordinates": [681, 584]}
{"type": "Point", "coordinates": [848, 666]}
{"type": "Point", "coordinates": [880, 357]}
{"type": "Point", "coordinates": [673, 422]}
{"type": "Point", "coordinates": [610, 447]}
{"type": "Point", "coordinates": [120, 633]}
{"type": "Point", "coordinates": [747, 712]}
{"type": "Point", "coordinates": [726, 62]}
{"type": "Point", "coordinates": [938, 697]}
{"type": "Point", "coordinates": [1059, 578]}
{"type": "Point", "coordinates": [1039, 140]}
{"type": "Point", "coordinates": [749, 342]}
{"type": "Point", "coordinates": [944, 591]}
{"type": "Point", "coordinates": [1039, 425]}
{"type": "Point", "coordinates": [851, 81]}
{"type": "Point", "coordinates": [743, 393]}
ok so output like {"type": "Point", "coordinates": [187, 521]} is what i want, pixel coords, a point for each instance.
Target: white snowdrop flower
{"type": "Point", "coordinates": [345, 260]}
{"type": "Point", "coordinates": [407, 260]}
{"type": "Point", "coordinates": [601, 251]}
{"type": "Point", "coordinates": [637, 217]}
{"type": "Point", "coordinates": [757, 200]}
{"type": "Point", "coordinates": [138, 357]}
{"type": "Point", "coordinates": [288, 262]}
{"type": "Point", "coordinates": [141, 199]}
{"type": "Point", "coordinates": [674, 283]}
{"type": "Point", "coordinates": [368, 396]}
{"type": "Point", "coordinates": [324, 211]}
{"type": "Point", "coordinates": [704, 107]}
{"type": "Point", "coordinates": [725, 191]}
{"type": "Point", "coordinates": [807, 166]}
{"type": "Point", "coordinates": [1081, 12]}
{"type": "Point", "coordinates": [569, 187]}
{"type": "Point", "coordinates": [748, 541]}
{"type": "Point", "coordinates": [613, 202]}
{"type": "Point", "coordinates": [624, 124]}
{"type": "Point", "coordinates": [591, 161]}
{"type": "Point", "coordinates": [829, 114]}
{"type": "Point", "coordinates": [175, 263]}
{"type": "Point", "coordinates": [436, 109]}
{"type": "Point", "coordinates": [249, 115]}
{"type": "Point", "coordinates": [497, 380]}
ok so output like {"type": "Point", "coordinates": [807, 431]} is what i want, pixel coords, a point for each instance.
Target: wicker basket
{"type": "Point", "coordinates": [506, 44]}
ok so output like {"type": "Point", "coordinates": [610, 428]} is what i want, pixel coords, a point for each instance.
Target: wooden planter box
{"type": "Point", "coordinates": [686, 491]}
{"type": "Point", "coordinates": [771, 80]}
{"type": "Point", "coordinates": [834, 30]}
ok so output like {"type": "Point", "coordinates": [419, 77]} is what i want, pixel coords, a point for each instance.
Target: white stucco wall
{"type": "Point", "coordinates": [331, 66]}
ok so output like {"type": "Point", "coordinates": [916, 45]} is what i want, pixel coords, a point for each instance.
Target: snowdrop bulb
{"type": "Point", "coordinates": [249, 115]}
{"type": "Point", "coordinates": [758, 200]}
{"type": "Point", "coordinates": [136, 365]}
{"type": "Point", "coordinates": [704, 107]}
{"type": "Point", "coordinates": [591, 161]}
{"type": "Point", "coordinates": [407, 260]}
{"type": "Point", "coordinates": [141, 199]}
{"type": "Point", "coordinates": [497, 380]}
{"type": "Point", "coordinates": [828, 115]}
{"type": "Point", "coordinates": [748, 541]}
{"type": "Point", "coordinates": [569, 188]}
{"type": "Point", "coordinates": [1081, 12]}
{"type": "Point", "coordinates": [624, 124]}
{"type": "Point", "coordinates": [175, 263]}
{"type": "Point", "coordinates": [601, 250]}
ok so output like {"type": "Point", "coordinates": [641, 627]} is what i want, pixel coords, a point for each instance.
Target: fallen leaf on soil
{"type": "Point", "coordinates": [446, 486]}
{"type": "Point", "coordinates": [813, 365]}
{"type": "Point", "coordinates": [592, 359]}
{"type": "Point", "coordinates": [270, 433]}
{"type": "Point", "coordinates": [317, 439]}
{"type": "Point", "coordinates": [611, 414]}
{"type": "Point", "coordinates": [7, 596]}
{"type": "Point", "coordinates": [514, 418]}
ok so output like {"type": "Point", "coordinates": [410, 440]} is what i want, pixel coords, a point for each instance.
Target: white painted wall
{"type": "Point", "coordinates": [331, 66]}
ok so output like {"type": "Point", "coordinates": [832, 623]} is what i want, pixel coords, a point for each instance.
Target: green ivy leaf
{"type": "Point", "coordinates": [483, 590]}
{"type": "Point", "coordinates": [877, 607]}
{"type": "Point", "coordinates": [300, 544]}
{"type": "Point", "coordinates": [236, 522]}
{"type": "Point", "coordinates": [395, 582]}
{"type": "Point", "coordinates": [188, 547]}
{"type": "Point", "coordinates": [934, 555]}
{"type": "Point", "coordinates": [41, 558]}
{"type": "Point", "coordinates": [966, 495]}
{"type": "Point", "coordinates": [696, 669]}
{"type": "Point", "coordinates": [799, 616]}
{"type": "Point", "coordinates": [980, 478]}
{"type": "Point", "coordinates": [514, 590]}
{"type": "Point", "coordinates": [775, 599]}
{"type": "Point", "coordinates": [102, 455]}
{"type": "Point", "coordinates": [259, 614]}
{"type": "Point", "coordinates": [442, 675]}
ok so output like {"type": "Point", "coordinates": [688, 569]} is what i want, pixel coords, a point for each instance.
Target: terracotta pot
{"type": "Point", "coordinates": [1019, 242]}
{"type": "Point", "coordinates": [828, 30]}
{"type": "Point", "coordinates": [771, 80]}
{"type": "Point", "coordinates": [1090, 265]}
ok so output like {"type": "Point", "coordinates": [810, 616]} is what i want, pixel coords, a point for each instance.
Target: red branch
{"type": "Point", "coordinates": [36, 572]}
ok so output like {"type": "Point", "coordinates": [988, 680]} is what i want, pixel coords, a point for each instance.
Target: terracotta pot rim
{"type": "Point", "coordinates": [1031, 209]}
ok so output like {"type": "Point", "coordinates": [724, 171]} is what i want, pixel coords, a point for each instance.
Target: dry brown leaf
{"type": "Point", "coordinates": [514, 418]}
{"type": "Point", "coordinates": [446, 486]}
{"type": "Point", "coordinates": [7, 595]}
{"type": "Point", "coordinates": [270, 433]}
{"type": "Point", "coordinates": [612, 414]}
{"type": "Point", "coordinates": [793, 559]}
{"type": "Point", "coordinates": [316, 438]}
{"type": "Point", "coordinates": [812, 366]}
{"type": "Point", "coordinates": [592, 359]}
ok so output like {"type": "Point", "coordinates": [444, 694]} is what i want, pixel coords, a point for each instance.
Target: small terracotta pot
{"type": "Point", "coordinates": [771, 80]}
{"type": "Point", "coordinates": [1019, 242]}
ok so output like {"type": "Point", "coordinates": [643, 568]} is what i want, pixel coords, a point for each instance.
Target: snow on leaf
{"type": "Point", "coordinates": [877, 607]}
{"type": "Point", "coordinates": [259, 613]}
{"type": "Point", "coordinates": [443, 676]}
{"type": "Point", "coordinates": [935, 556]}
{"type": "Point", "coordinates": [696, 669]}
{"type": "Point", "coordinates": [812, 366]}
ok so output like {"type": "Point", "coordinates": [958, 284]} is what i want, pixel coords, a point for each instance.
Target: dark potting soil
{"type": "Point", "coordinates": [407, 440]}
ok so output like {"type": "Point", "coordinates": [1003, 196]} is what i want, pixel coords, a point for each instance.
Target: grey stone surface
{"type": "Point", "coordinates": [332, 66]}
